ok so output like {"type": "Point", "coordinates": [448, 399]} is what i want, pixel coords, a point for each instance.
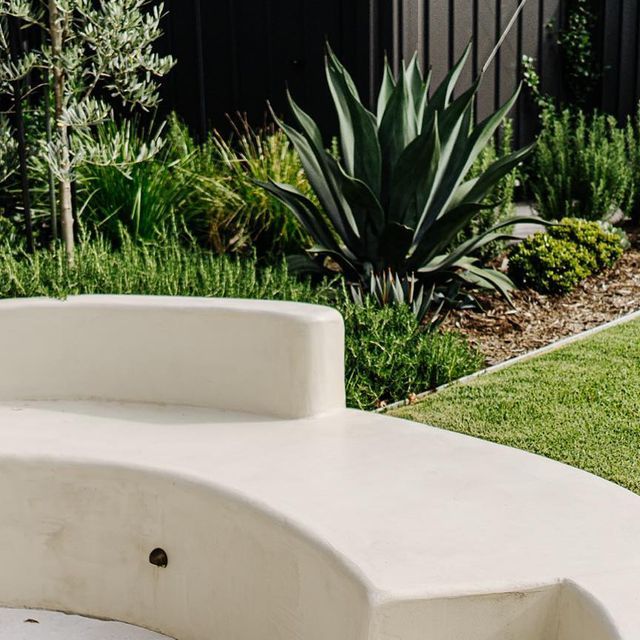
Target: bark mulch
{"type": "Point", "coordinates": [502, 332]}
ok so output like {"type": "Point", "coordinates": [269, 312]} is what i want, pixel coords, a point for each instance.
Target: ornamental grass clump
{"type": "Point", "coordinates": [394, 203]}
{"type": "Point", "coordinates": [144, 187]}
{"type": "Point", "coordinates": [242, 214]}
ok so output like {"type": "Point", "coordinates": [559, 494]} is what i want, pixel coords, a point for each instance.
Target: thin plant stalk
{"type": "Point", "coordinates": [64, 180]}
{"type": "Point", "coordinates": [53, 201]}
{"type": "Point", "coordinates": [18, 95]}
{"type": "Point", "coordinates": [504, 35]}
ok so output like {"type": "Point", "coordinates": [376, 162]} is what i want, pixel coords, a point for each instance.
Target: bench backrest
{"type": "Point", "coordinates": [276, 359]}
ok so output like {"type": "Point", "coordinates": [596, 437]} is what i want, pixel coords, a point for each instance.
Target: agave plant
{"type": "Point", "coordinates": [398, 198]}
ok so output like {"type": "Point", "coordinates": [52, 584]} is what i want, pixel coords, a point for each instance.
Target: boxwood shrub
{"type": "Point", "coordinates": [556, 261]}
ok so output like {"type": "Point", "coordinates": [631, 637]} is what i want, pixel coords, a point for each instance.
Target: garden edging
{"type": "Point", "coordinates": [553, 346]}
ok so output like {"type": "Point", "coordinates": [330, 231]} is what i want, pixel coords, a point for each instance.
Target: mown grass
{"type": "Point", "coordinates": [579, 405]}
{"type": "Point", "coordinates": [386, 356]}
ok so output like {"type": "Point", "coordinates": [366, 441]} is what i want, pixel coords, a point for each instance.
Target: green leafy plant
{"type": "Point", "coordinates": [388, 355]}
{"type": "Point", "coordinates": [632, 138]}
{"type": "Point", "coordinates": [239, 215]}
{"type": "Point", "coordinates": [604, 244]}
{"type": "Point", "coordinates": [7, 172]}
{"type": "Point", "coordinates": [501, 146]}
{"type": "Point", "coordinates": [137, 185]}
{"type": "Point", "coordinates": [531, 79]}
{"type": "Point", "coordinates": [91, 55]}
{"type": "Point", "coordinates": [8, 151]}
{"type": "Point", "coordinates": [581, 68]}
{"type": "Point", "coordinates": [549, 265]}
{"type": "Point", "coordinates": [581, 167]}
{"type": "Point", "coordinates": [398, 198]}
{"type": "Point", "coordinates": [557, 261]}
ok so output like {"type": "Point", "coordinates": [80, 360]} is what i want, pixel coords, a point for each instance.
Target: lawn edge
{"type": "Point", "coordinates": [552, 346]}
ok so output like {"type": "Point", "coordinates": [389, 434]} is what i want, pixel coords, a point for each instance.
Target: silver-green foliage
{"type": "Point", "coordinates": [400, 195]}
{"type": "Point", "coordinates": [8, 151]}
{"type": "Point", "coordinates": [93, 54]}
{"type": "Point", "coordinates": [108, 59]}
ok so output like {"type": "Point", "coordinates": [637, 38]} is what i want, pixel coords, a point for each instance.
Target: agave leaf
{"type": "Point", "coordinates": [442, 96]}
{"type": "Point", "coordinates": [304, 210]}
{"type": "Point", "coordinates": [483, 133]}
{"type": "Point", "coordinates": [397, 242]}
{"type": "Point", "coordinates": [397, 129]}
{"type": "Point", "coordinates": [462, 193]}
{"type": "Point", "coordinates": [306, 122]}
{"type": "Point", "coordinates": [444, 231]}
{"type": "Point", "coordinates": [413, 177]}
{"type": "Point", "coordinates": [386, 89]}
{"type": "Point", "coordinates": [453, 115]}
{"type": "Point", "coordinates": [427, 83]}
{"type": "Point", "coordinates": [321, 175]}
{"type": "Point", "coordinates": [347, 265]}
{"type": "Point", "coordinates": [358, 130]}
{"type": "Point", "coordinates": [475, 243]}
{"type": "Point", "coordinates": [366, 210]}
{"type": "Point", "coordinates": [454, 129]}
{"type": "Point", "coordinates": [463, 155]}
{"type": "Point", "coordinates": [494, 173]}
{"type": "Point", "coordinates": [417, 89]}
{"type": "Point", "coordinates": [302, 263]}
{"type": "Point", "coordinates": [449, 175]}
{"type": "Point", "coordinates": [486, 278]}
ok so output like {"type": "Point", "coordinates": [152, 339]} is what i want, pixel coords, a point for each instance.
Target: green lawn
{"type": "Point", "coordinates": [579, 405]}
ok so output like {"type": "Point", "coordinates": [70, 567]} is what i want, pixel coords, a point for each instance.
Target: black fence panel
{"type": "Point", "coordinates": [235, 56]}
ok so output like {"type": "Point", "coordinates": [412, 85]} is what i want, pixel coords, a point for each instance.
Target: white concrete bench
{"type": "Point", "coordinates": [215, 432]}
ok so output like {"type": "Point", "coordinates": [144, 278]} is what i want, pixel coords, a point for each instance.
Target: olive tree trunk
{"type": "Point", "coordinates": [64, 159]}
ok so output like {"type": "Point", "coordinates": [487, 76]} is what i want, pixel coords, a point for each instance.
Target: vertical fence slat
{"type": "Point", "coordinates": [486, 42]}
{"type": "Point", "coordinates": [612, 13]}
{"type": "Point", "coordinates": [549, 63]}
{"type": "Point", "coordinates": [462, 33]}
{"type": "Point", "coordinates": [508, 53]}
{"type": "Point", "coordinates": [627, 57]}
{"type": "Point", "coordinates": [439, 39]}
{"type": "Point", "coordinates": [636, 58]}
{"type": "Point", "coordinates": [413, 29]}
{"type": "Point", "coordinates": [530, 46]}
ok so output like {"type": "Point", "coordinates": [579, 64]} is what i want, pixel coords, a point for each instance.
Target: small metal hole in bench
{"type": "Point", "coordinates": [158, 557]}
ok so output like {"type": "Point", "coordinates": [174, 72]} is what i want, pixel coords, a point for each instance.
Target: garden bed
{"type": "Point", "coordinates": [502, 332]}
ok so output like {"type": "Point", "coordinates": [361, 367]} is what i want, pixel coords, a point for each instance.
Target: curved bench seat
{"type": "Point", "coordinates": [337, 525]}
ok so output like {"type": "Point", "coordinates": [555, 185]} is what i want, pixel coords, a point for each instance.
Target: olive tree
{"type": "Point", "coordinates": [7, 150]}
{"type": "Point", "coordinates": [90, 56]}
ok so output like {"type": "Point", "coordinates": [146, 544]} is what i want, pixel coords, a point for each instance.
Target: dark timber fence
{"type": "Point", "coordinates": [235, 54]}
